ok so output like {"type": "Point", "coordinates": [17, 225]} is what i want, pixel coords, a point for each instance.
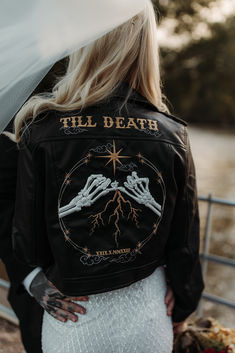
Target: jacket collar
{"type": "Point", "coordinates": [123, 89]}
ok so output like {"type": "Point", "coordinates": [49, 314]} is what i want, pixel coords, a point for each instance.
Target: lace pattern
{"type": "Point", "coordinates": [132, 319]}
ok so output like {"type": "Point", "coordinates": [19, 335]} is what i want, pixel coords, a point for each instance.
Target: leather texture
{"type": "Point", "coordinates": [27, 310]}
{"type": "Point", "coordinates": [107, 194]}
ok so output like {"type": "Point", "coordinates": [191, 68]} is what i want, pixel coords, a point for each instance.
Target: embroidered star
{"type": "Point", "coordinates": [114, 157]}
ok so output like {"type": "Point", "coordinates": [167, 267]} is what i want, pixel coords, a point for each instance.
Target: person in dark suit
{"type": "Point", "coordinates": [28, 311]}
{"type": "Point", "coordinates": [26, 308]}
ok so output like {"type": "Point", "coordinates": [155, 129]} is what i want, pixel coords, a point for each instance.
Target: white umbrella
{"type": "Point", "coordinates": [35, 34]}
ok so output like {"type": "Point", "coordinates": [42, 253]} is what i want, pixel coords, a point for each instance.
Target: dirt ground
{"type": "Point", "coordinates": [10, 341]}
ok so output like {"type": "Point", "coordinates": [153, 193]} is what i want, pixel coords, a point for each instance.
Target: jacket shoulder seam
{"type": "Point", "coordinates": [63, 138]}
{"type": "Point", "coordinates": [175, 118]}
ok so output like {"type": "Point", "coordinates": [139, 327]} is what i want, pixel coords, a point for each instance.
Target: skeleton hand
{"type": "Point", "coordinates": [139, 188]}
{"type": "Point", "coordinates": [85, 196]}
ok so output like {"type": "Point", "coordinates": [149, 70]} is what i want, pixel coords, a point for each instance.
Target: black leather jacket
{"type": "Point", "coordinates": [105, 196]}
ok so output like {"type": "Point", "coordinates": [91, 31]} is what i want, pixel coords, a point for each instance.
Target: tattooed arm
{"type": "Point", "coordinates": [53, 301]}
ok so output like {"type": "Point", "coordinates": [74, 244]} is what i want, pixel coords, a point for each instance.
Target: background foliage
{"type": "Point", "coordinates": [199, 76]}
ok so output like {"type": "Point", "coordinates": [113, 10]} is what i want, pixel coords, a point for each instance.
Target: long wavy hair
{"type": "Point", "coordinates": [129, 53]}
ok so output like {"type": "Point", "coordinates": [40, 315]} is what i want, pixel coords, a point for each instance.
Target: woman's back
{"type": "Point", "coordinates": [107, 195]}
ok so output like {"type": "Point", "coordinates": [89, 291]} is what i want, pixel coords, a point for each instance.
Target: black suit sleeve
{"type": "Point", "coordinates": [29, 231]}
{"type": "Point", "coordinates": [183, 264]}
{"type": "Point", "coordinates": [16, 270]}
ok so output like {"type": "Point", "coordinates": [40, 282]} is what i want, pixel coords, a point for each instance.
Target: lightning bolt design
{"type": "Point", "coordinates": [133, 213]}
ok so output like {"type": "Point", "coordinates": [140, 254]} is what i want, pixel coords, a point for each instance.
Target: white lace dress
{"type": "Point", "coordinates": [132, 319]}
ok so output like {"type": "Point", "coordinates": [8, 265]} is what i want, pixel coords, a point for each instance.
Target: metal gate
{"type": "Point", "coordinates": [206, 256]}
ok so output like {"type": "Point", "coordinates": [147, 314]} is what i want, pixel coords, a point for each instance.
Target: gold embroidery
{"type": "Point", "coordinates": [65, 121]}
{"type": "Point", "coordinates": [80, 124]}
{"type": "Point", "coordinates": [153, 124]}
{"type": "Point", "coordinates": [78, 121]}
{"type": "Point", "coordinates": [132, 123]}
{"type": "Point", "coordinates": [113, 251]}
{"type": "Point", "coordinates": [89, 120]}
{"type": "Point", "coordinates": [119, 120]}
{"type": "Point", "coordinates": [142, 122]}
{"type": "Point", "coordinates": [114, 156]}
{"type": "Point", "coordinates": [108, 121]}
{"type": "Point", "coordinates": [74, 121]}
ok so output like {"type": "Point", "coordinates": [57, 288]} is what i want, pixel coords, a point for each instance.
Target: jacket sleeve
{"type": "Point", "coordinates": [16, 270]}
{"type": "Point", "coordinates": [183, 266]}
{"type": "Point", "coordinates": [30, 242]}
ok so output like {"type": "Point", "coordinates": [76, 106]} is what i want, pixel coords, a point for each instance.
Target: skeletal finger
{"type": "Point", "coordinates": [142, 186]}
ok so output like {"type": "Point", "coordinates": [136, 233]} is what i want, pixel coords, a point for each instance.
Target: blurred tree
{"type": "Point", "coordinates": [186, 13]}
{"type": "Point", "coordinates": [200, 78]}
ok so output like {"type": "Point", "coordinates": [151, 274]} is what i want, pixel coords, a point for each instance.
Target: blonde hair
{"type": "Point", "coordinates": [129, 52]}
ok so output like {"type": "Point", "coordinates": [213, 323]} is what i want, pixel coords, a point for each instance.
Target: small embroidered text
{"type": "Point", "coordinates": [113, 251]}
